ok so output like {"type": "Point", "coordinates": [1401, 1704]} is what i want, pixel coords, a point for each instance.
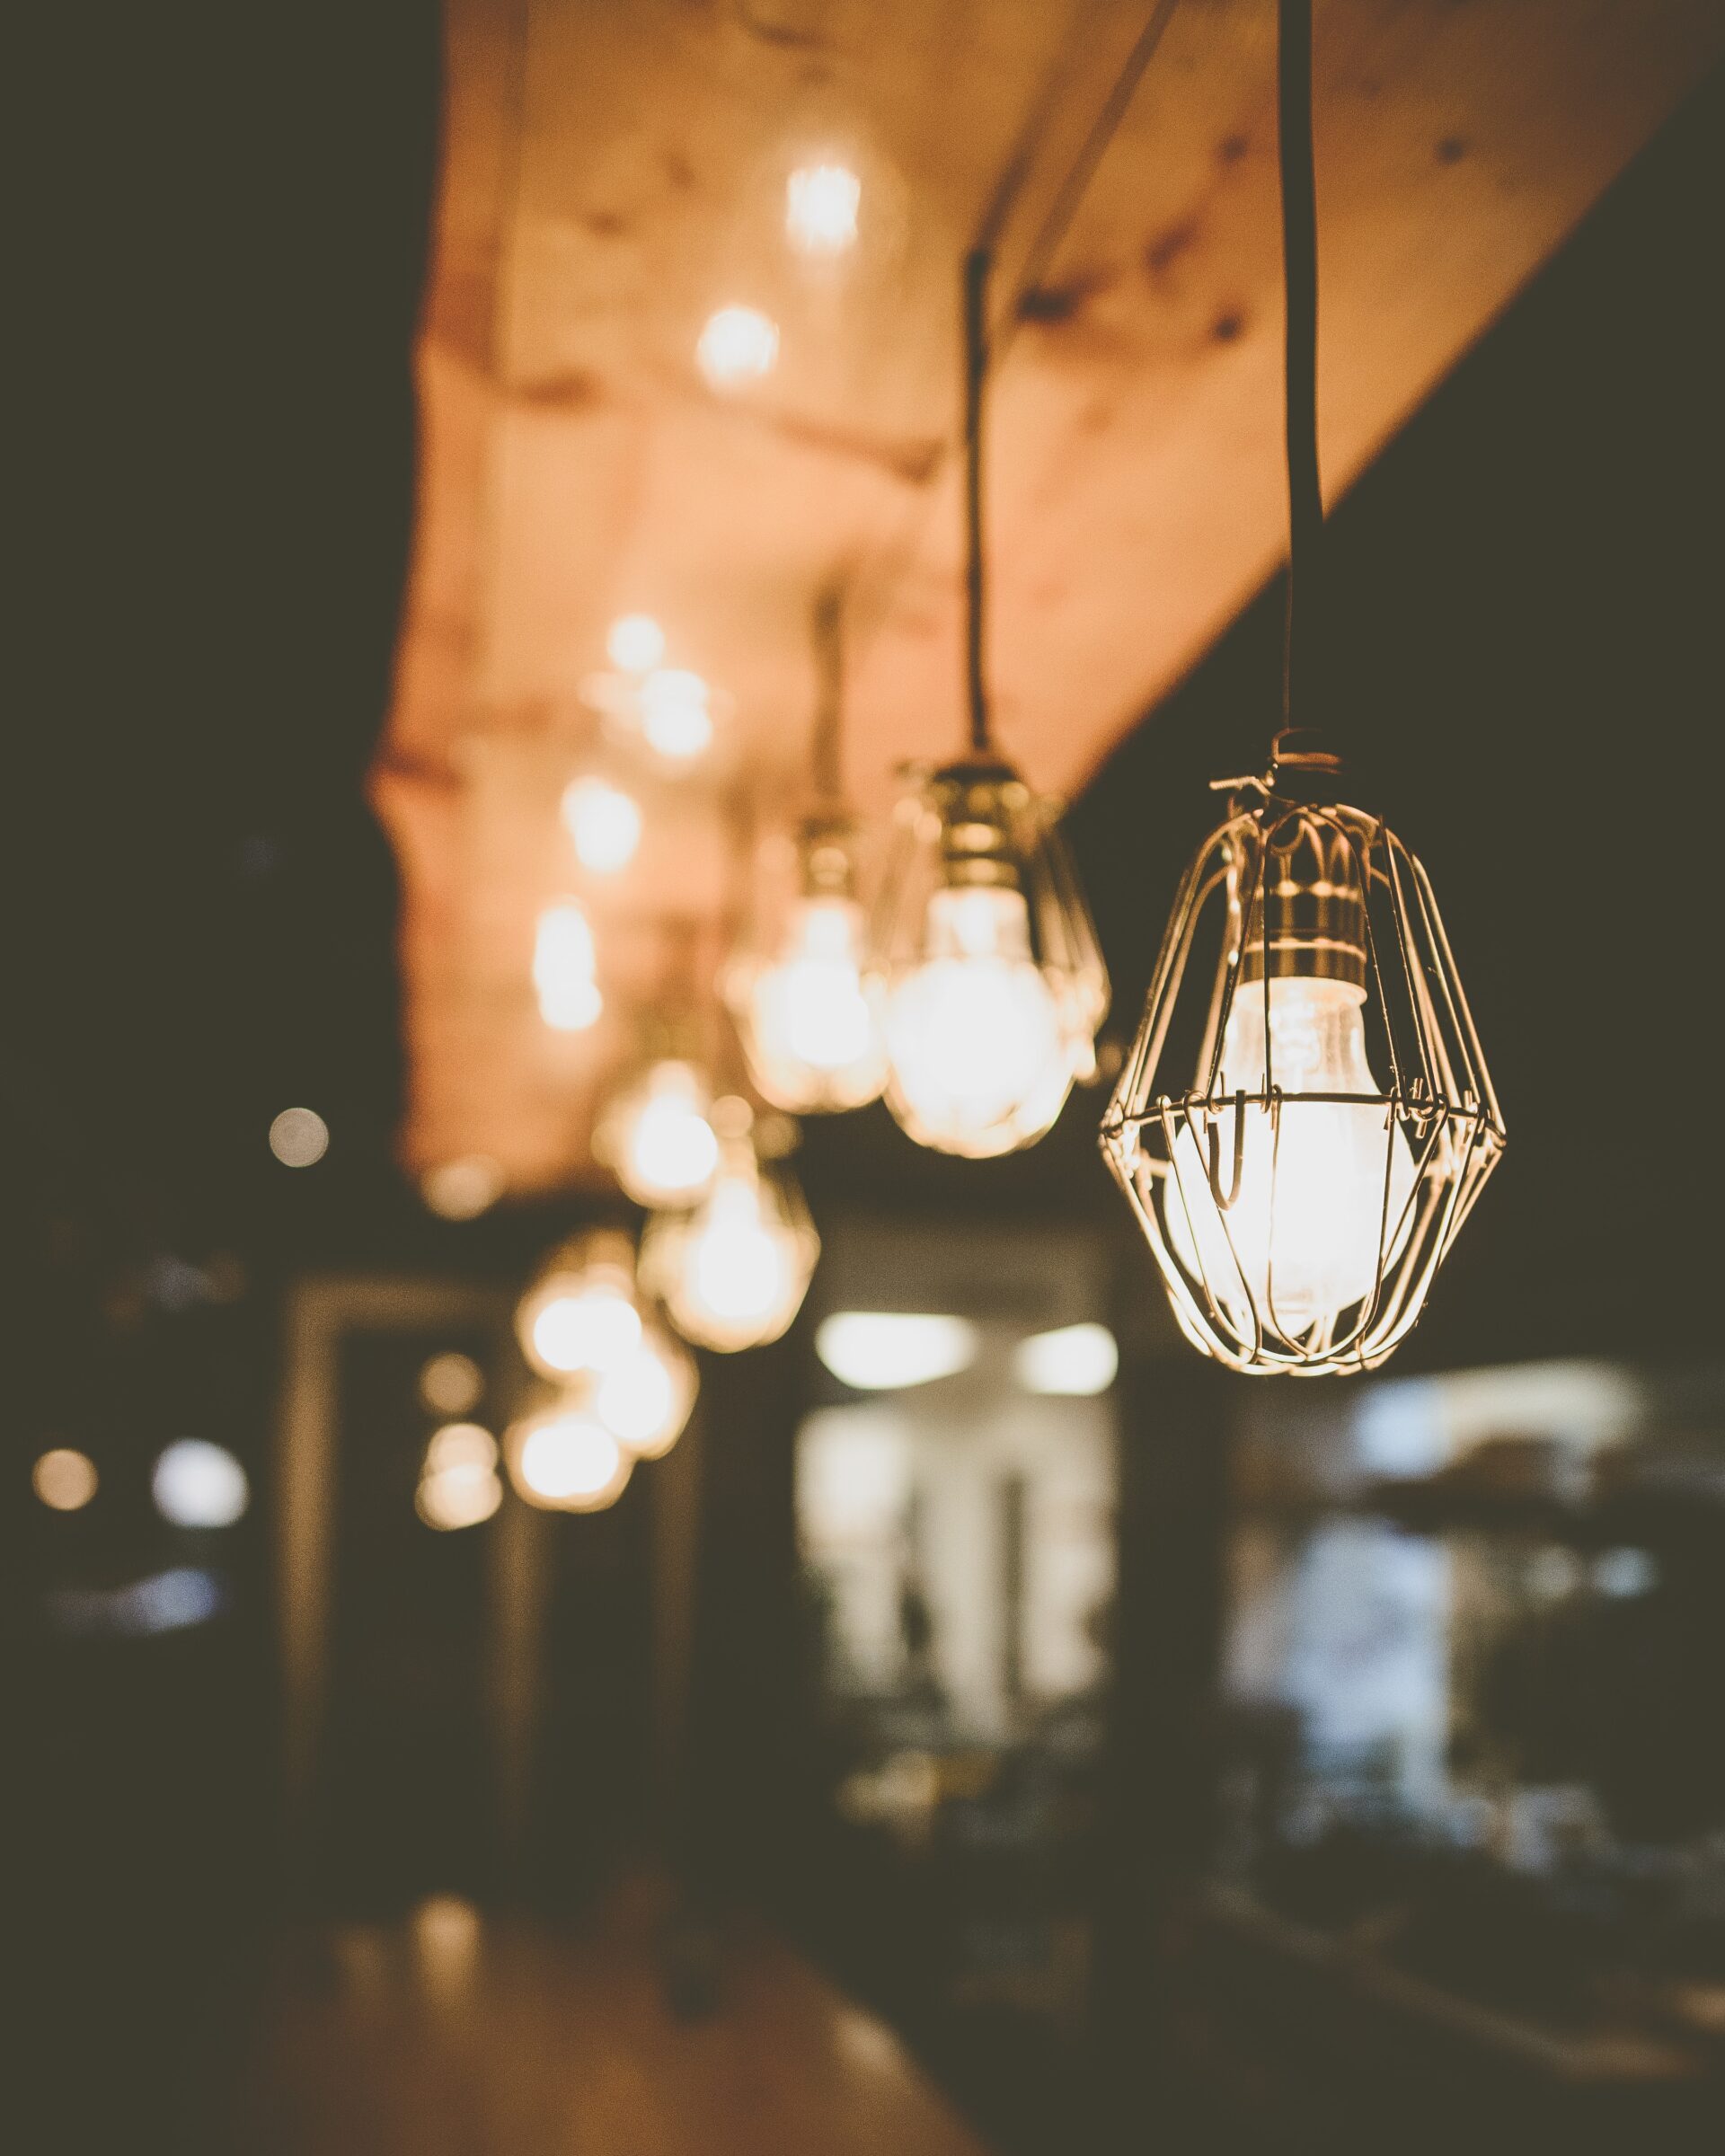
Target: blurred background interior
{"type": "Point", "coordinates": [991, 1726]}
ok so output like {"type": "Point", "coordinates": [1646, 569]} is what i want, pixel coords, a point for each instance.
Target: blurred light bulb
{"type": "Point", "coordinates": [811, 1019]}
{"type": "Point", "coordinates": [675, 709]}
{"type": "Point", "coordinates": [563, 962]}
{"type": "Point", "coordinates": [197, 1484]}
{"type": "Point", "coordinates": [820, 209]}
{"type": "Point", "coordinates": [448, 1498]}
{"type": "Point", "coordinates": [887, 1350]}
{"type": "Point", "coordinates": [656, 1136]}
{"type": "Point", "coordinates": [461, 1448]}
{"type": "Point", "coordinates": [977, 1037]}
{"type": "Point", "coordinates": [604, 824]}
{"type": "Point", "coordinates": [733, 1272]}
{"type": "Point", "coordinates": [645, 1399]}
{"type": "Point", "coordinates": [736, 345]}
{"type": "Point", "coordinates": [1322, 1197]}
{"type": "Point", "coordinates": [463, 1189]}
{"type": "Point", "coordinates": [564, 1458]}
{"type": "Point", "coordinates": [572, 1322]}
{"type": "Point", "coordinates": [635, 643]}
{"type": "Point", "coordinates": [300, 1137]}
{"type": "Point", "coordinates": [64, 1480]}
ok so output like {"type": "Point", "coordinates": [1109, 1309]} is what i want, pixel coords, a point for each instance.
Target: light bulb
{"type": "Point", "coordinates": [604, 824]}
{"type": "Point", "coordinates": [1320, 1205]}
{"type": "Point", "coordinates": [564, 961]}
{"type": "Point", "coordinates": [822, 202]}
{"type": "Point", "coordinates": [635, 642]}
{"type": "Point", "coordinates": [645, 1399]}
{"type": "Point", "coordinates": [572, 1322]}
{"type": "Point", "coordinates": [565, 1459]}
{"type": "Point", "coordinates": [676, 713]}
{"type": "Point", "coordinates": [733, 1273]}
{"type": "Point", "coordinates": [657, 1136]}
{"type": "Point", "coordinates": [981, 1053]}
{"type": "Point", "coordinates": [736, 345]}
{"type": "Point", "coordinates": [810, 1017]}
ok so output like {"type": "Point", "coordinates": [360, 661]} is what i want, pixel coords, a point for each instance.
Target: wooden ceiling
{"type": "Point", "coordinates": [614, 170]}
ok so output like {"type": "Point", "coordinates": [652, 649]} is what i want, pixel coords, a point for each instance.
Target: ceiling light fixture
{"type": "Point", "coordinates": [657, 1136]}
{"type": "Point", "coordinates": [800, 983]}
{"type": "Point", "coordinates": [563, 1459]}
{"type": "Point", "coordinates": [890, 1350]}
{"type": "Point", "coordinates": [995, 983]}
{"type": "Point", "coordinates": [1298, 1205]}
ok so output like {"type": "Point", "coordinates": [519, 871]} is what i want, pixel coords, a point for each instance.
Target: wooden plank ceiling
{"type": "Point", "coordinates": [613, 172]}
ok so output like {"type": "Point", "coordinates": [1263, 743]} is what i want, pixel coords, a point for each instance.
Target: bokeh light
{"type": "Point", "coordinates": [451, 1384]}
{"type": "Point", "coordinates": [463, 1189]}
{"type": "Point", "coordinates": [635, 643]}
{"type": "Point", "coordinates": [736, 345]}
{"type": "Point", "coordinates": [198, 1484]}
{"type": "Point", "coordinates": [300, 1137]}
{"type": "Point", "coordinates": [820, 209]}
{"type": "Point", "coordinates": [604, 824]}
{"type": "Point", "coordinates": [64, 1480]}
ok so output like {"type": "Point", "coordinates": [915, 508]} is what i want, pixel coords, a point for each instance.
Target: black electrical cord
{"type": "Point", "coordinates": [1300, 362]}
{"type": "Point", "coordinates": [976, 266]}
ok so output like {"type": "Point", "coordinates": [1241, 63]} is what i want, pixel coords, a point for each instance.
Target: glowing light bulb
{"type": "Point", "coordinates": [197, 1484]}
{"type": "Point", "coordinates": [736, 345]}
{"type": "Point", "coordinates": [604, 824]}
{"type": "Point", "coordinates": [978, 1039]}
{"type": "Point", "coordinates": [733, 1273]}
{"type": "Point", "coordinates": [563, 962]}
{"type": "Point", "coordinates": [822, 202]}
{"type": "Point", "coordinates": [300, 1137]}
{"type": "Point", "coordinates": [635, 643]}
{"type": "Point", "coordinates": [810, 1019]}
{"type": "Point", "coordinates": [576, 1321]}
{"type": "Point", "coordinates": [565, 1459]}
{"type": "Point", "coordinates": [675, 709]}
{"type": "Point", "coordinates": [645, 1401]}
{"type": "Point", "coordinates": [1323, 1183]}
{"type": "Point", "coordinates": [658, 1138]}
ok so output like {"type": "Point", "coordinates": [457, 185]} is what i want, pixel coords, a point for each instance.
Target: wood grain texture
{"type": "Point", "coordinates": [609, 178]}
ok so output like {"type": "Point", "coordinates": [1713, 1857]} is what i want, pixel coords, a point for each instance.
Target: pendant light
{"type": "Point", "coordinates": [1306, 1118]}
{"type": "Point", "coordinates": [800, 985]}
{"type": "Point", "coordinates": [995, 986]}
{"type": "Point", "coordinates": [584, 1324]}
{"type": "Point", "coordinates": [562, 1458]}
{"type": "Point", "coordinates": [732, 1273]}
{"type": "Point", "coordinates": [656, 1135]}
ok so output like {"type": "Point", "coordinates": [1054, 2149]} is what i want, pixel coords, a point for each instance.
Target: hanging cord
{"type": "Point", "coordinates": [976, 266]}
{"type": "Point", "coordinates": [1300, 363]}
{"type": "Point", "coordinates": [828, 757]}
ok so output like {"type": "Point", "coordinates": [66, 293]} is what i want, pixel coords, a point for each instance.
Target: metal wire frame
{"type": "Point", "coordinates": [1175, 1138]}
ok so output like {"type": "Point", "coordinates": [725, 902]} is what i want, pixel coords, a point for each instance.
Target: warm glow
{"type": "Point", "coordinates": [300, 1137]}
{"type": "Point", "coordinates": [635, 643]}
{"type": "Point", "coordinates": [736, 345]}
{"type": "Point", "coordinates": [197, 1484]}
{"type": "Point", "coordinates": [565, 1458]}
{"type": "Point", "coordinates": [657, 1138]}
{"type": "Point", "coordinates": [450, 1384]}
{"type": "Point", "coordinates": [1323, 1183]}
{"type": "Point", "coordinates": [461, 1448]}
{"type": "Point", "coordinates": [675, 709]}
{"type": "Point", "coordinates": [981, 1057]}
{"type": "Point", "coordinates": [733, 1274]}
{"type": "Point", "coordinates": [604, 824]}
{"type": "Point", "coordinates": [450, 1498]}
{"type": "Point", "coordinates": [811, 1019]}
{"type": "Point", "coordinates": [563, 960]}
{"type": "Point", "coordinates": [887, 1350]}
{"type": "Point", "coordinates": [64, 1480]}
{"type": "Point", "coordinates": [1078, 1360]}
{"type": "Point", "coordinates": [646, 1399]}
{"type": "Point", "coordinates": [574, 1322]}
{"type": "Point", "coordinates": [463, 1189]}
{"type": "Point", "coordinates": [820, 209]}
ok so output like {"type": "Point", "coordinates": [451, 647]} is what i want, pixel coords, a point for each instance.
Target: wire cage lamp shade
{"type": "Point", "coordinates": [1306, 1119]}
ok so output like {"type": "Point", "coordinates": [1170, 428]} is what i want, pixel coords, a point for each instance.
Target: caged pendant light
{"type": "Point", "coordinates": [994, 985]}
{"type": "Point", "coordinates": [1305, 1119]}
